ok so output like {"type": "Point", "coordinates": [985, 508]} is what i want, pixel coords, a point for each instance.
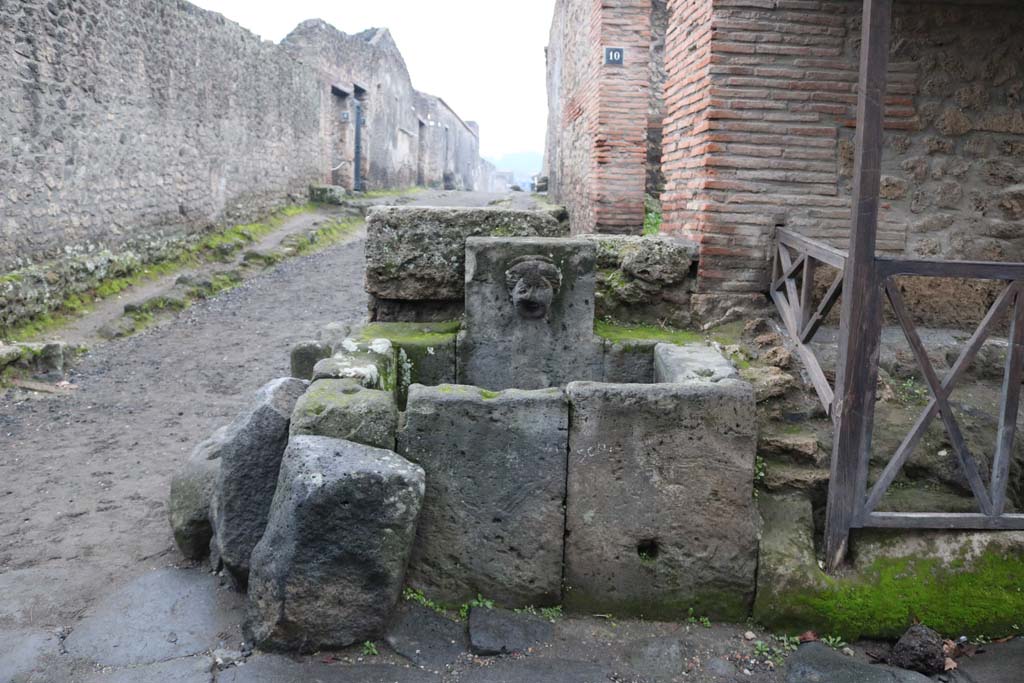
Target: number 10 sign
{"type": "Point", "coordinates": [614, 55]}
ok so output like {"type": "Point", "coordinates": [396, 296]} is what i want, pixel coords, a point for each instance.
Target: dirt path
{"type": "Point", "coordinates": [84, 478]}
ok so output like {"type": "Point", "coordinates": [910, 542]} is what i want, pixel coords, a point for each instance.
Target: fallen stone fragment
{"type": "Point", "coordinates": [919, 649]}
{"type": "Point", "coordinates": [372, 364]}
{"type": "Point", "coordinates": [343, 409]}
{"type": "Point", "coordinates": [817, 663]}
{"type": "Point", "coordinates": [305, 355]}
{"type": "Point", "coordinates": [331, 565]}
{"type": "Point", "coordinates": [426, 638]}
{"type": "Point", "coordinates": [192, 494]}
{"type": "Point", "coordinates": [502, 631]}
{"type": "Point", "coordinates": [250, 459]}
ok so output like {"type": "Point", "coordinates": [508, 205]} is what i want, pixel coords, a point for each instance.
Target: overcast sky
{"type": "Point", "coordinates": [484, 58]}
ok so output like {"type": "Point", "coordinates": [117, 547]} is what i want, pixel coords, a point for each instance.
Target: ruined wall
{"type": "Point", "coordinates": [127, 125]}
{"type": "Point", "coordinates": [365, 67]}
{"type": "Point", "coordinates": [760, 127]}
{"type": "Point", "coordinates": [451, 157]}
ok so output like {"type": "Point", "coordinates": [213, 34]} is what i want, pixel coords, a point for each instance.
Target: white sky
{"type": "Point", "coordinates": [484, 58]}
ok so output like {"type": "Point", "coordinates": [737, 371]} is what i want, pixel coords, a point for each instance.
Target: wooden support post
{"type": "Point", "coordinates": [860, 318]}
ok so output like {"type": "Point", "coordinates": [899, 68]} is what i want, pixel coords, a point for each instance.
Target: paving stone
{"type": "Point", "coordinates": [659, 657]}
{"type": "Point", "coordinates": [538, 671]}
{"type": "Point", "coordinates": [529, 314]}
{"type": "Point", "coordinates": [21, 650]}
{"type": "Point", "coordinates": [250, 457]}
{"type": "Point", "coordinates": [999, 663]}
{"type": "Point", "coordinates": [492, 520]}
{"type": "Point", "coordinates": [277, 669]}
{"type": "Point", "coordinates": [660, 511]}
{"type": "Point", "coordinates": [330, 567]}
{"type": "Point", "coordinates": [186, 670]}
{"type": "Point", "coordinates": [425, 637]}
{"type": "Point", "coordinates": [344, 409]}
{"type": "Point", "coordinates": [674, 363]}
{"type": "Point", "coordinates": [502, 632]}
{"type": "Point", "coordinates": [162, 615]}
{"type": "Point", "coordinates": [818, 663]}
{"type": "Point", "coordinates": [27, 593]}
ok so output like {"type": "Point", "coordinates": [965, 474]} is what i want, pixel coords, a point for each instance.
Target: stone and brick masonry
{"type": "Point", "coordinates": [760, 99]}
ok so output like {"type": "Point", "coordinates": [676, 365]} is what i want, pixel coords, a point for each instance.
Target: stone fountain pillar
{"type": "Point", "coordinates": [529, 313]}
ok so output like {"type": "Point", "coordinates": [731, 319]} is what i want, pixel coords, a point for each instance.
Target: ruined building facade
{"type": "Point", "coordinates": [128, 127]}
{"type": "Point", "coordinates": [759, 102]}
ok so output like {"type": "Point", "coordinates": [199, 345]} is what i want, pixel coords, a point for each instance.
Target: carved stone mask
{"type": "Point", "coordinates": [532, 283]}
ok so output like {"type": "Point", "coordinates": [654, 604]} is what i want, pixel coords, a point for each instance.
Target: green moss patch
{"type": "Point", "coordinates": [412, 333]}
{"type": "Point", "coordinates": [628, 333]}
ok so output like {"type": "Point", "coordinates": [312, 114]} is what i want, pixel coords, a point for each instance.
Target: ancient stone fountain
{"type": "Point", "coordinates": [512, 455]}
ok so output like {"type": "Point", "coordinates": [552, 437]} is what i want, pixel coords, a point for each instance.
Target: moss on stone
{"type": "Point", "coordinates": [488, 395]}
{"type": "Point", "coordinates": [627, 333]}
{"type": "Point", "coordinates": [402, 334]}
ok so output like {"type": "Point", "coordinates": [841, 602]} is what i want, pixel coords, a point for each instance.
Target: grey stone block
{"type": "Point", "coordinates": [192, 493]}
{"type": "Point", "coordinates": [331, 565]}
{"type": "Point", "coordinates": [371, 363]}
{"type": "Point", "coordinates": [250, 458]}
{"type": "Point", "coordinates": [674, 363]}
{"type": "Point", "coordinates": [343, 409]}
{"type": "Point", "coordinates": [660, 514]}
{"type": "Point", "coordinates": [629, 362]}
{"type": "Point", "coordinates": [305, 355]}
{"type": "Point", "coordinates": [529, 314]}
{"type": "Point", "coordinates": [492, 520]}
{"type": "Point", "coordinates": [418, 253]}
{"type": "Point", "coordinates": [425, 637]}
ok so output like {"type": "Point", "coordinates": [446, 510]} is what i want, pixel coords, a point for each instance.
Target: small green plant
{"type": "Point", "coordinates": [692, 618]}
{"type": "Point", "coordinates": [413, 595]}
{"type": "Point", "coordinates": [910, 392]}
{"type": "Point", "coordinates": [652, 216]}
{"type": "Point", "coordinates": [788, 643]}
{"type": "Point", "coordinates": [370, 649]}
{"type": "Point", "coordinates": [548, 613]}
{"type": "Point", "coordinates": [478, 601]}
{"type": "Point", "coordinates": [834, 642]}
{"type": "Point", "coordinates": [760, 470]}
{"type": "Point", "coordinates": [776, 655]}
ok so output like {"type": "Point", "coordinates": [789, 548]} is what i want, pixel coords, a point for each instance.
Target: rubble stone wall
{"type": "Point", "coordinates": [127, 124]}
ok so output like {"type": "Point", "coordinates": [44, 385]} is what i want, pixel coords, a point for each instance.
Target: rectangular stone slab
{"type": "Point", "coordinates": [660, 514]}
{"type": "Point", "coordinates": [492, 521]}
{"type": "Point", "coordinates": [499, 348]}
{"type": "Point", "coordinates": [417, 253]}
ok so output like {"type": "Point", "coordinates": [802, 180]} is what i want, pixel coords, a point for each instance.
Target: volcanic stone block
{"type": "Point", "coordinates": [674, 363]}
{"type": "Point", "coordinates": [529, 313]}
{"type": "Point", "coordinates": [492, 519]}
{"type": "Point", "coordinates": [660, 510]}
{"type": "Point", "coordinates": [424, 352]}
{"type": "Point", "coordinates": [305, 355]}
{"type": "Point", "coordinates": [629, 361]}
{"type": "Point", "coordinates": [502, 632]}
{"type": "Point", "coordinates": [331, 565]}
{"type": "Point", "coordinates": [250, 459]}
{"type": "Point", "coordinates": [418, 253]}
{"type": "Point", "coordinates": [372, 363]}
{"type": "Point", "coordinates": [192, 493]}
{"type": "Point", "coordinates": [343, 409]}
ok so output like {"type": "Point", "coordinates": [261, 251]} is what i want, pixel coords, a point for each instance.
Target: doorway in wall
{"type": "Point", "coordinates": [358, 181]}
{"type": "Point", "coordinates": [421, 156]}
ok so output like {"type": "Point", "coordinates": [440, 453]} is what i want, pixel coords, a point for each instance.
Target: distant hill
{"type": "Point", "coordinates": [523, 164]}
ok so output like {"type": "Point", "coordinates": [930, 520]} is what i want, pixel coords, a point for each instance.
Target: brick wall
{"type": "Point", "coordinates": [761, 109]}
{"type": "Point", "coordinates": [598, 115]}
